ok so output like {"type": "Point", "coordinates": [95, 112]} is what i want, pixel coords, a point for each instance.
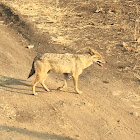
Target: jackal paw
{"type": "Point", "coordinates": [79, 92]}
{"type": "Point", "coordinates": [35, 93]}
{"type": "Point", "coordinates": [48, 90]}
{"type": "Point", "coordinates": [60, 88]}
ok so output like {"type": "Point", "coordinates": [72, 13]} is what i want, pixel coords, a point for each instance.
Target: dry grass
{"type": "Point", "coordinates": [66, 24]}
{"type": "Point", "coordinates": [47, 18]}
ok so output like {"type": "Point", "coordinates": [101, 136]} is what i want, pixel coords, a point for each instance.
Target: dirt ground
{"type": "Point", "coordinates": [108, 108]}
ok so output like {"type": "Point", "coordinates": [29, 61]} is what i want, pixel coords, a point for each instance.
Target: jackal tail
{"type": "Point", "coordinates": [32, 71]}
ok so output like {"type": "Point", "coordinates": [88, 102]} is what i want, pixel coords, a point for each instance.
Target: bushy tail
{"type": "Point", "coordinates": [32, 71]}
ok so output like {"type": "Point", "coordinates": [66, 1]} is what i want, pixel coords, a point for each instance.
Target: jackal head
{"type": "Point", "coordinates": [96, 57]}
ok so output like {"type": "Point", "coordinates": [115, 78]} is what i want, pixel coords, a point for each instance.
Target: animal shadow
{"type": "Point", "coordinates": [33, 134]}
{"type": "Point", "coordinates": [14, 85]}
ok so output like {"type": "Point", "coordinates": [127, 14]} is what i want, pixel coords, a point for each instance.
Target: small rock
{"type": "Point", "coordinates": [105, 82]}
{"type": "Point", "coordinates": [134, 114]}
{"type": "Point", "coordinates": [83, 103]}
{"type": "Point", "coordinates": [77, 136]}
{"type": "Point", "coordinates": [116, 93]}
{"type": "Point", "coordinates": [118, 121]}
{"type": "Point", "coordinates": [30, 46]}
{"type": "Point", "coordinates": [111, 133]}
{"type": "Point", "coordinates": [10, 117]}
{"type": "Point", "coordinates": [97, 11]}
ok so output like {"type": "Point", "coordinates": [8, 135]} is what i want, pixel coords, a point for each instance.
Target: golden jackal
{"type": "Point", "coordinates": [63, 63]}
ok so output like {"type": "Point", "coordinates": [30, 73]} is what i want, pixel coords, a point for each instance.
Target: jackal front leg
{"type": "Point", "coordinates": [65, 81]}
{"type": "Point", "coordinates": [75, 79]}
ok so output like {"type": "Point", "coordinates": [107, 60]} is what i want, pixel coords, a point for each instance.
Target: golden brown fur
{"type": "Point", "coordinates": [63, 63]}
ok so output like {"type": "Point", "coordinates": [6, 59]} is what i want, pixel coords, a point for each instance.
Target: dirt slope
{"type": "Point", "coordinates": [108, 109]}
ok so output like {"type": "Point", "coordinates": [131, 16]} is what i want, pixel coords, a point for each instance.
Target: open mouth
{"type": "Point", "coordinates": [100, 63]}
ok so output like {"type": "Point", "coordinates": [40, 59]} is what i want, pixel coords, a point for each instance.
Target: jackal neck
{"type": "Point", "coordinates": [86, 60]}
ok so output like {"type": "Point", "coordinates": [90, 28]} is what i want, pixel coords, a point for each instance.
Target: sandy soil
{"type": "Point", "coordinates": [109, 107]}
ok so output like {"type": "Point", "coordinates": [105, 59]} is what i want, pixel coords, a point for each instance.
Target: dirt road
{"type": "Point", "coordinates": [108, 109]}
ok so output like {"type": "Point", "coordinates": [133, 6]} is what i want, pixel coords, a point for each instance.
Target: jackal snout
{"type": "Point", "coordinates": [97, 58]}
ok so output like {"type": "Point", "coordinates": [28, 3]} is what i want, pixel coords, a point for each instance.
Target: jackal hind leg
{"type": "Point", "coordinates": [37, 79]}
{"type": "Point", "coordinates": [43, 84]}
{"type": "Point", "coordinates": [40, 77]}
{"type": "Point", "coordinates": [75, 79]}
{"type": "Point", "coordinates": [65, 82]}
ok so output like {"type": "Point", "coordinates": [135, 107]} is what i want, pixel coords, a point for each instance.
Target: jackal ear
{"type": "Point", "coordinates": [91, 52]}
